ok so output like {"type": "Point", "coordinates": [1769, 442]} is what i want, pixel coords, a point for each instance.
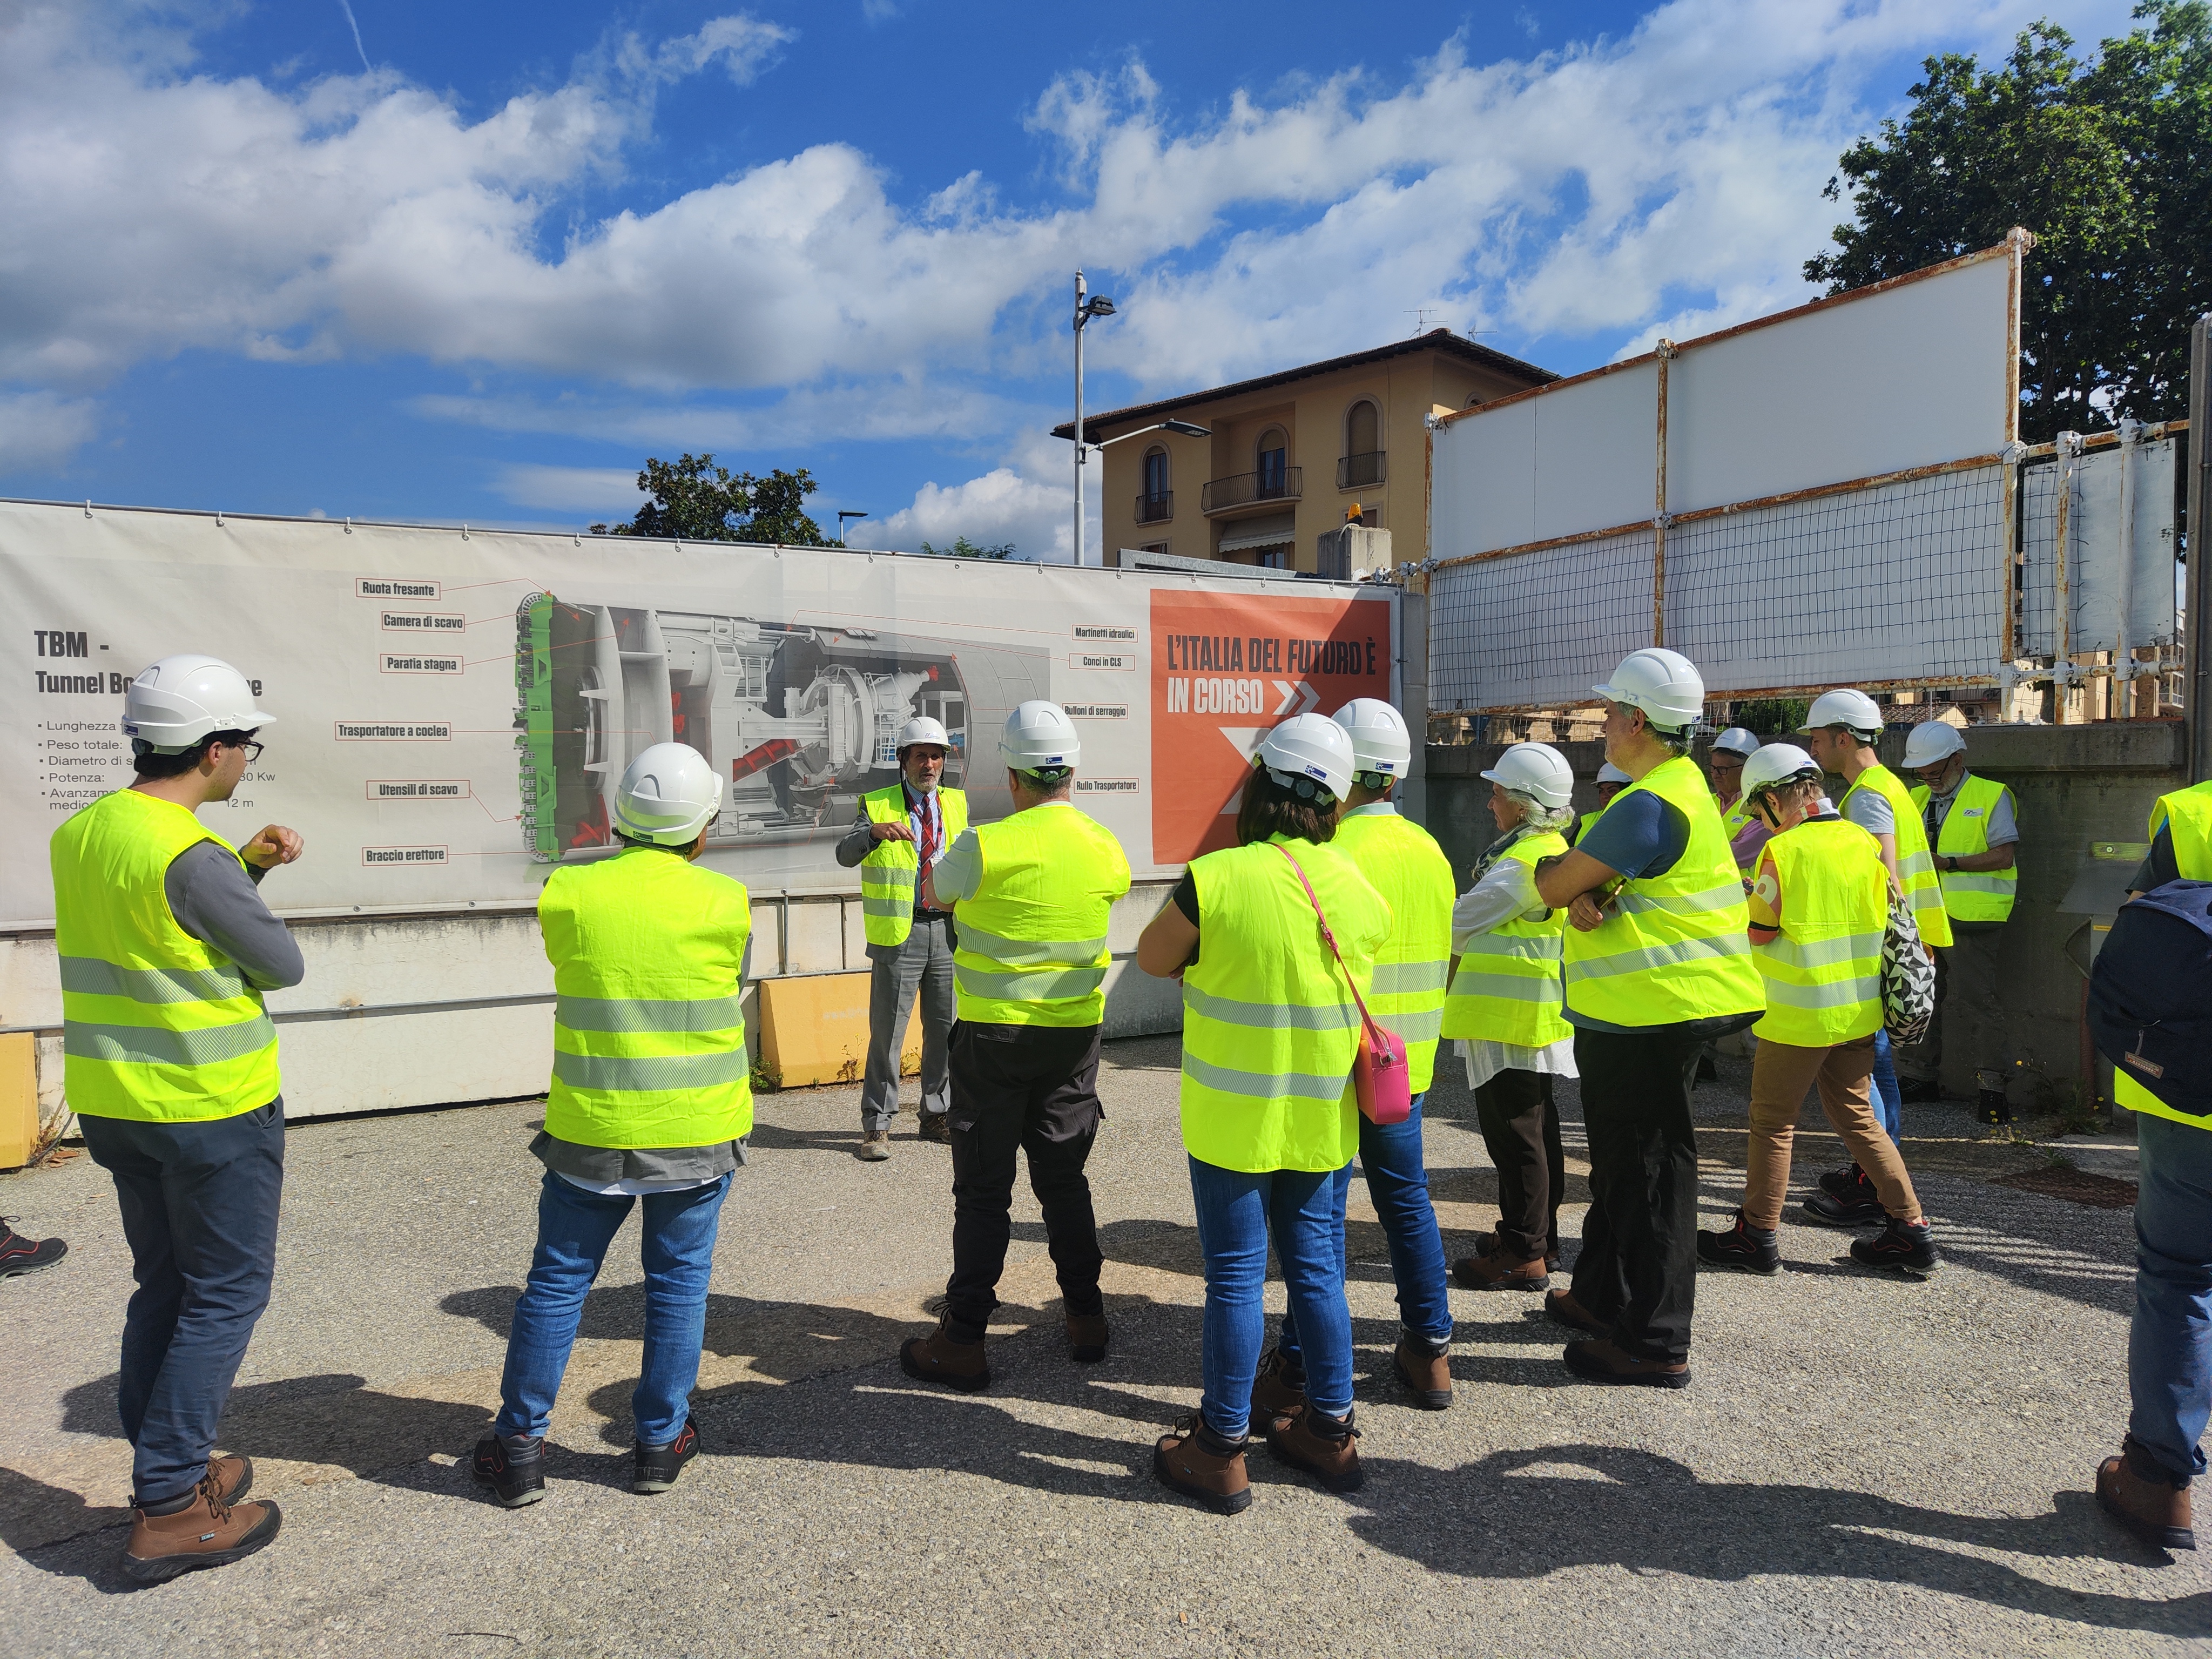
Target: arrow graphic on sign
{"type": "Point", "coordinates": [1292, 694]}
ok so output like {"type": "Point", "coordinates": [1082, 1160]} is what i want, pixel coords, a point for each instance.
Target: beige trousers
{"type": "Point", "coordinates": [1780, 1075]}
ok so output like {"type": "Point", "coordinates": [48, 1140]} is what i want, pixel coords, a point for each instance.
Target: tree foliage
{"type": "Point", "coordinates": [961, 548]}
{"type": "Point", "coordinates": [2108, 161]}
{"type": "Point", "coordinates": [694, 501]}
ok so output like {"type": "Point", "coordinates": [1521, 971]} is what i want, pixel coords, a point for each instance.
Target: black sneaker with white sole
{"type": "Point", "coordinates": [1908, 1251]}
{"type": "Point", "coordinates": [512, 1465]}
{"type": "Point", "coordinates": [659, 1466]}
{"type": "Point", "coordinates": [1833, 1212]}
{"type": "Point", "coordinates": [1740, 1248]}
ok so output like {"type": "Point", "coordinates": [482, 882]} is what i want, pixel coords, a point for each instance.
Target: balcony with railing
{"type": "Point", "coordinates": [1357, 471]}
{"type": "Point", "coordinates": [1251, 492]}
{"type": "Point", "coordinates": [1156, 509]}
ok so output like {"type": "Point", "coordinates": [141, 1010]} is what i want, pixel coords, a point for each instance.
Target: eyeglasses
{"type": "Point", "coordinates": [252, 750]}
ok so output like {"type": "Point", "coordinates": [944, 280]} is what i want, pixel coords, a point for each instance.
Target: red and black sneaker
{"type": "Point", "coordinates": [19, 1255]}
{"type": "Point", "coordinates": [659, 1466]}
{"type": "Point", "coordinates": [512, 1465]}
{"type": "Point", "coordinates": [1910, 1250]}
{"type": "Point", "coordinates": [1739, 1249]}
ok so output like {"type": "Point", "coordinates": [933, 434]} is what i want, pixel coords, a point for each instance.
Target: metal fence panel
{"type": "Point", "coordinates": [2094, 570]}
{"type": "Point", "coordinates": [1902, 581]}
{"type": "Point", "coordinates": [1537, 629]}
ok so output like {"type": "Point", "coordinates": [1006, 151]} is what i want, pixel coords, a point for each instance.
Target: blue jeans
{"type": "Point", "coordinates": [575, 1228]}
{"type": "Point", "coordinates": [1236, 1211]}
{"type": "Point", "coordinates": [1398, 1182]}
{"type": "Point", "coordinates": [1888, 1104]}
{"type": "Point", "coordinates": [2170, 1343]}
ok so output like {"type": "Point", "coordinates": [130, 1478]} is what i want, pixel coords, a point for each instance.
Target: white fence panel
{"type": "Point", "coordinates": [2095, 574]}
{"type": "Point", "coordinates": [1538, 630]}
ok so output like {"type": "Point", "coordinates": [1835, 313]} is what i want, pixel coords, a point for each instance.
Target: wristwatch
{"type": "Point", "coordinates": [1951, 862]}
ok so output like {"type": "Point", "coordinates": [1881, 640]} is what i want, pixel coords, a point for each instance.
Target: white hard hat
{"type": "Point", "coordinates": [1932, 741]}
{"type": "Point", "coordinates": [1536, 769]}
{"type": "Point", "coordinates": [1040, 737]}
{"type": "Point", "coordinates": [1778, 763]}
{"type": "Point", "coordinates": [1665, 684]}
{"type": "Point", "coordinates": [1380, 742]}
{"type": "Point", "coordinates": [1737, 741]}
{"type": "Point", "coordinates": [1309, 754]}
{"type": "Point", "coordinates": [1853, 709]}
{"type": "Point", "coordinates": [183, 699]}
{"type": "Point", "coordinates": [921, 729]}
{"type": "Point", "coordinates": [667, 795]}
{"type": "Point", "coordinates": [1610, 773]}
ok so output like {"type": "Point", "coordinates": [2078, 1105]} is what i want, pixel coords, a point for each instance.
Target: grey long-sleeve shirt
{"type": "Point", "coordinates": [217, 901]}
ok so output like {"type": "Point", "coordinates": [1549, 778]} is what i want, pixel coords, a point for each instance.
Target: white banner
{"type": "Point", "coordinates": [453, 707]}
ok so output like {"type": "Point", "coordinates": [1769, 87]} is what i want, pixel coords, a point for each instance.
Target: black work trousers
{"type": "Point", "coordinates": [1031, 1088]}
{"type": "Point", "coordinates": [199, 1212]}
{"type": "Point", "coordinates": [1522, 1131]}
{"type": "Point", "coordinates": [1638, 1266]}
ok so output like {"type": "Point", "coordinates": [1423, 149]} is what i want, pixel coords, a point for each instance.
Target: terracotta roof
{"type": "Point", "coordinates": [1436, 339]}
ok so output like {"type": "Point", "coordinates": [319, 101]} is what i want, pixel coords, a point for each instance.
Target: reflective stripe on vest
{"type": "Point", "coordinates": [1402, 862]}
{"type": "Point", "coordinates": [1029, 943]}
{"type": "Point", "coordinates": [2186, 816]}
{"type": "Point", "coordinates": [1506, 987]}
{"type": "Point", "coordinates": [891, 869]}
{"type": "Point", "coordinates": [1970, 895]}
{"type": "Point", "coordinates": [1823, 972]}
{"type": "Point", "coordinates": [1673, 947]}
{"type": "Point", "coordinates": [648, 1026]}
{"type": "Point", "coordinates": [1916, 867]}
{"type": "Point", "coordinates": [156, 1026]}
{"type": "Point", "coordinates": [1269, 1026]}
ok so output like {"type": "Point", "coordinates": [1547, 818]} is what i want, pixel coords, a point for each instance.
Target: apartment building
{"type": "Point", "coordinates": [1291, 452]}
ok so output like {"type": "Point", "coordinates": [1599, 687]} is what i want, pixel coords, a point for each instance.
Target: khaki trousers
{"type": "Point", "coordinates": [1780, 1075]}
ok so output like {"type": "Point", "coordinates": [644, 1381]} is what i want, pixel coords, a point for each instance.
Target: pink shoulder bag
{"type": "Point", "coordinates": [1380, 1074]}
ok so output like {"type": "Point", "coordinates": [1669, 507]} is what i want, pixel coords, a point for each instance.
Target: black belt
{"type": "Point", "coordinates": [932, 915]}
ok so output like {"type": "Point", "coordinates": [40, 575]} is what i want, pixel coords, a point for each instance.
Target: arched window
{"type": "Point", "coordinates": [1274, 461]}
{"type": "Point", "coordinates": [1362, 461]}
{"type": "Point", "coordinates": [1157, 502]}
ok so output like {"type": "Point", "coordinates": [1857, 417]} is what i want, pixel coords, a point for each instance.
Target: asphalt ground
{"type": "Point", "coordinates": [1861, 1465]}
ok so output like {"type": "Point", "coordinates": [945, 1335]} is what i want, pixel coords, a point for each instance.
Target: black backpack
{"type": "Point", "coordinates": [2150, 994]}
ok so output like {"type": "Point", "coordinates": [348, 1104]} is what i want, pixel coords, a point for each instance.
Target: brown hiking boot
{"type": "Point", "coordinates": [1599, 1361]}
{"type": "Point", "coordinates": [232, 1477]}
{"type": "Point", "coordinates": [875, 1146]}
{"type": "Point", "coordinates": [1086, 1337]}
{"type": "Point", "coordinates": [1193, 1460]}
{"type": "Point", "coordinates": [1486, 1245]}
{"type": "Point", "coordinates": [1278, 1390]}
{"type": "Point", "coordinates": [1494, 1272]}
{"type": "Point", "coordinates": [937, 1127]}
{"type": "Point", "coordinates": [1562, 1307]}
{"type": "Point", "coordinates": [1324, 1446]}
{"type": "Point", "coordinates": [1427, 1376]}
{"type": "Point", "coordinates": [2148, 1505]}
{"type": "Point", "coordinates": [206, 1533]}
{"type": "Point", "coordinates": [938, 1358]}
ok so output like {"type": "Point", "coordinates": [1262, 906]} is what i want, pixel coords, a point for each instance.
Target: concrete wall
{"type": "Point", "coordinates": [2084, 794]}
{"type": "Point", "coordinates": [457, 1006]}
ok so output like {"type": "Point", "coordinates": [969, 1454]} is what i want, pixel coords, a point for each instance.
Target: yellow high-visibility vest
{"type": "Point", "coordinates": [1507, 985]}
{"type": "Point", "coordinates": [891, 868]}
{"type": "Point", "coordinates": [1823, 972]}
{"type": "Point", "coordinates": [1269, 1024]}
{"type": "Point", "coordinates": [649, 1037]}
{"type": "Point", "coordinates": [1673, 948]}
{"type": "Point", "coordinates": [1970, 895]}
{"type": "Point", "coordinates": [1916, 868]}
{"type": "Point", "coordinates": [2187, 816]}
{"type": "Point", "coordinates": [156, 1026]}
{"type": "Point", "coordinates": [1402, 862]}
{"type": "Point", "coordinates": [1031, 939]}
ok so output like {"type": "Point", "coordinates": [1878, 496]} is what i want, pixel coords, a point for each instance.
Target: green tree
{"type": "Point", "coordinates": [961, 548]}
{"type": "Point", "coordinates": [2107, 160]}
{"type": "Point", "coordinates": [694, 501]}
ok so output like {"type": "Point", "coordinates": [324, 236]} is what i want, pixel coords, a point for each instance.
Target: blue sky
{"type": "Point", "coordinates": [475, 262]}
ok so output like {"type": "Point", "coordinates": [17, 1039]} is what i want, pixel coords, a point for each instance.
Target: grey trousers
{"type": "Point", "coordinates": [923, 964]}
{"type": "Point", "coordinates": [1966, 1000]}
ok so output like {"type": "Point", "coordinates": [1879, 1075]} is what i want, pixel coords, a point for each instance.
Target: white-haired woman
{"type": "Point", "coordinates": [1505, 1007]}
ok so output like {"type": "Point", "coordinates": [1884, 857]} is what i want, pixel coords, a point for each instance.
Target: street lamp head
{"type": "Point", "coordinates": [1186, 429]}
{"type": "Point", "coordinates": [1098, 305]}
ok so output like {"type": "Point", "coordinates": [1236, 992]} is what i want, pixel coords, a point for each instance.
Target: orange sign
{"type": "Point", "coordinates": [1226, 668]}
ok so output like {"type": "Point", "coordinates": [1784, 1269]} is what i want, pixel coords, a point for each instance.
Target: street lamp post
{"type": "Point", "coordinates": [1085, 309]}
{"type": "Point", "coordinates": [843, 513]}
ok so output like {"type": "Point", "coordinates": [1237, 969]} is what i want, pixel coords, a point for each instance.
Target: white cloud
{"type": "Point", "coordinates": [1590, 190]}
{"type": "Point", "coordinates": [38, 430]}
{"type": "Point", "coordinates": [1029, 500]}
{"type": "Point", "coordinates": [805, 417]}
{"type": "Point", "coordinates": [598, 491]}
